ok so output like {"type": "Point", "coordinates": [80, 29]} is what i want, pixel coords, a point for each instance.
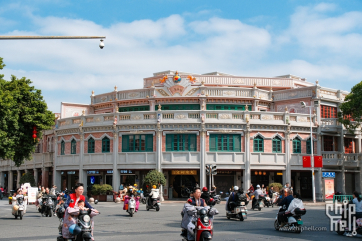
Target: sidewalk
{"type": "Point", "coordinates": [306, 203]}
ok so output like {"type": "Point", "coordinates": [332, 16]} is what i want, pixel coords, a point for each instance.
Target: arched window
{"type": "Point", "coordinates": [258, 144]}
{"type": "Point", "coordinates": [106, 145]}
{"type": "Point", "coordinates": [91, 145]}
{"type": "Point", "coordinates": [308, 147]}
{"type": "Point", "coordinates": [62, 148]}
{"type": "Point", "coordinates": [277, 145]}
{"type": "Point", "coordinates": [73, 147]}
{"type": "Point", "coordinates": [297, 145]}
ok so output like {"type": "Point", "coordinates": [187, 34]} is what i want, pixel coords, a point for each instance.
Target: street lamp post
{"type": "Point", "coordinates": [101, 44]}
{"type": "Point", "coordinates": [311, 147]}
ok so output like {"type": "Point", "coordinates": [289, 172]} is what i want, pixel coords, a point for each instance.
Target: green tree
{"type": "Point", "coordinates": [27, 178]}
{"type": "Point", "coordinates": [155, 177]}
{"type": "Point", "coordinates": [21, 108]}
{"type": "Point", "coordinates": [351, 109]}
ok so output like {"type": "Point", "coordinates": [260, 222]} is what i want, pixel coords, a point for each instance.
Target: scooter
{"type": "Point", "coordinates": [83, 229]}
{"type": "Point", "coordinates": [143, 199]}
{"type": "Point", "coordinates": [19, 208]}
{"type": "Point", "coordinates": [268, 202]}
{"type": "Point", "coordinates": [259, 203]}
{"type": "Point", "coordinates": [240, 212]}
{"type": "Point", "coordinates": [48, 205]}
{"type": "Point", "coordinates": [156, 204]}
{"type": "Point", "coordinates": [132, 205]}
{"type": "Point", "coordinates": [203, 224]}
{"type": "Point", "coordinates": [217, 197]}
{"type": "Point", "coordinates": [294, 221]}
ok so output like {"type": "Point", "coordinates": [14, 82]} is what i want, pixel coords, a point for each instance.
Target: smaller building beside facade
{"type": "Point", "coordinates": [253, 129]}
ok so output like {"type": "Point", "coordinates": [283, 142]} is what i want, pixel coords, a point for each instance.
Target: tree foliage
{"type": "Point", "coordinates": [27, 178]}
{"type": "Point", "coordinates": [21, 108]}
{"type": "Point", "coordinates": [351, 109]}
{"type": "Point", "coordinates": [98, 189]}
{"type": "Point", "coordinates": [155, 177]}
{"type": "Point", "coordinates": [277, 186]}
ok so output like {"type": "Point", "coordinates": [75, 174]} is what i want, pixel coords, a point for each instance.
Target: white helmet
{"type": "Point", "coordinates": [258, 186]}
{"type": "Point", "coordinates": [236, 188]}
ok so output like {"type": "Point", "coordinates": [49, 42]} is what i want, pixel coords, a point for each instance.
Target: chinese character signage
{"type": "Point", "coordinates": [126, 172]}
{"type": "Point", "coordinates": [184, 172]}
{"type": "Point", "coordinates": [328, 188]}
{"type": "Point", "coordinates": [306, 161]}
{"type": "Point", "coordinates": [329, 174]}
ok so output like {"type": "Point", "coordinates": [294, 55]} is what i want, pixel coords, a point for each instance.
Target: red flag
{"type": "Point", "coordinates": [306, 161]}
{"type": "Point", "coordinates": [318, 161]}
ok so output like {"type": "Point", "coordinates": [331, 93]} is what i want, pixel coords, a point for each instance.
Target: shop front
{"type": "Point", "coordinates": [224, 180]}
{"type": "Point", "coordinates": [69, 179]}
{"type": "Point", "coordinates": [181, 180]}
{"type": "Point", "coordinates": [260, 177]}
{"type": "Point", "coordinates": [302, 183]}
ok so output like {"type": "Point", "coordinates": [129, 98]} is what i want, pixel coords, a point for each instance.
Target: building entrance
{"type": "Point", "coordinates": [182, 179]}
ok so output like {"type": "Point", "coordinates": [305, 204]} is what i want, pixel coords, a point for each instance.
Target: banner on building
{"type": "Point", "coordinates": [318, 161]}
{"type": "Point", "coordinates": [328, 188]}
{"type": "Point", "coordinates": [306, 161]}
{"type": "Point", "coordinates": [184, 172]}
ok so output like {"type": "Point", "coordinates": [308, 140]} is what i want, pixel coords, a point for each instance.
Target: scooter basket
{"type": "Point", "coordinates": [299, 211]}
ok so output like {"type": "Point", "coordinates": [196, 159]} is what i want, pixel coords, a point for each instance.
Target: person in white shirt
{"type": "Point", "coordinates": [295, 203]}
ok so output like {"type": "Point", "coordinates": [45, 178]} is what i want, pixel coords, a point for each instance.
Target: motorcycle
{"type": "Point", "coordinates": [83, 229]}
{"type": "Point", "coordinates": [185, 192]}
{"type": "Point", "coordinates": [240, 212]}
{"type": "Point", "coordinates": [202, 228]}
{"type": "Point", "coordinates": [48, 206]}
{"type": "Point", "coordinates": [19, 208]}
{"type": "Point", "coordinates": [156, 204]}
{"type": "Point", "coordinates": [217, 197]}
{"type": "Point", "coordinates": [259, 203]}
{"type": "Point", "coordinates": [294, 221]}
{"type": "Point", "coordinates": [132, 205]}
{"type": "Point", "coordinates": [143, 199]}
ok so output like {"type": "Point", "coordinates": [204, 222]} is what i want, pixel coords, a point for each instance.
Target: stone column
{"type": "Point", "coordinates": [159, 147]}
{"type": "Point", "coordinates": [287, 177]}
{"type": "Point", "coordinates": [45, 176]}
{"type": "Point", "coordinates": [18, 178]}
{"type": "Point", "coordinates": [340, 181]}
{"type": "Point", "coordinates": [318, 172]}
{"type": "Point", "coordinates": [10, 180]}
{"type": "Point", "coordinates": [247, 174]}
{"type": "Point", "coordinates": [116, 174]}
{"type": "Point", "coordinates": [359, 147]}
{"type": "Point", "coordinates": [82, 172]}
{"type": "Point", "coordinates": [202, 157]}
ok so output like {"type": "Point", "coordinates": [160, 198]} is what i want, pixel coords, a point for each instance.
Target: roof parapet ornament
{"type": "Point", "coordinates": [202, 83]}
{"type": "Point", "coordinates": [159, 107]}
{"type": "Point", "coordinates": [286, 109]}
{"type": "Point", "coordinates": [317, 82]}
{"type": "Point", "coordinates": [115, 88]}
{"type": "Point", "coordinates": [255, 85]}
{"type": "Point", "coordinates": [83, 112]}
{"type": "Point", "coordinates": [92, 92]}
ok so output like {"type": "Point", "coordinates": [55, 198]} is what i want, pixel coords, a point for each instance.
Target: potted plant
{"type": "Point", "coordinates": [100, 192]}
{"type": "Point", "coordinates": [10, 200]}
{"type": "Point", "coordinates": [277, 186]}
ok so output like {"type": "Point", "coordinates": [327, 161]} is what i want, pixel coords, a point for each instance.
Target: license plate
{"type": "Point", "coordinates": [159, 204]}
{"type": "Point", "coordinates": [300, 222]}
{"type": "Point", "coordinates": [237, 210]}
{"type": "Point", "coordinates": [244, 214]}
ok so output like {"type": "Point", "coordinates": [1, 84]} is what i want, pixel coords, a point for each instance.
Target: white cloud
{"type": "Point", "coordinates": [68, 70]}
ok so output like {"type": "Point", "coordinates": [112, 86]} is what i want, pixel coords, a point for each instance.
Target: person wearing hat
{"type": "Point", "coordinates": [256, 194]}
{"type": "Point", "coordinates": [155, 193]}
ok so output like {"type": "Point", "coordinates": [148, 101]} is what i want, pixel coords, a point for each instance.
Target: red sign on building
{"type": "Point", "coordinates": [306, 161]}
{"type": "Point", "coordinates": [318, 161]}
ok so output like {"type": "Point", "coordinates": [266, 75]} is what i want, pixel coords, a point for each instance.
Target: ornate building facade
{"type": "Point", "coordinates": [253, 129]}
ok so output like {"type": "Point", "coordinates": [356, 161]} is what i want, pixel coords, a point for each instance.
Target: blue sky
{"type": "Point", "coordinates": [312, 39]}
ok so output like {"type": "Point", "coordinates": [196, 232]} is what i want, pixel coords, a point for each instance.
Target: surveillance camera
{"type": "Point", "coordinates": [101, 44]}
{"type": "Point", "coordinates": [303, 104]}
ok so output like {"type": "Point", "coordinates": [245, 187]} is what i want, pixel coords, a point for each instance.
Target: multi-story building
{"type": "Point", "coordinates": [253, 129]}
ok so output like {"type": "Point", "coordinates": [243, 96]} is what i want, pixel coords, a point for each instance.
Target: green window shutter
{"type": "Point", "coordinates": [62, 147]}
{"type": "Point", "coordinates": [149, 143]}
{"type": "Point", "coordinates": [212, 142]}
{"type": "Point", "coordinates": [125, 143]}
{"type": "Point", "coordinates": [258, 144]}
{"type": "Point", "coordinates": [296, 146]}
{"type": "Point", "coordinates": [73, 147]}
{"type": "Point", "coordinates": [105, 144]}
{"type": "Point", "coordinates": [277, 147]}
{"type": "Point", "coordinates": [192, 142]}
{"type": "Point", "coordinates": [91, 145]}
{"type": "Point", "coordinates": [308, 147]}
{"type": "Point", "coordinates": [169, 142]}
{"type": "Point", "coordinates": [237, 143]}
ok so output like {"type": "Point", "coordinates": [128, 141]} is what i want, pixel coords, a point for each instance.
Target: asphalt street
{"type": "Point", "coordinates": [115, 224]}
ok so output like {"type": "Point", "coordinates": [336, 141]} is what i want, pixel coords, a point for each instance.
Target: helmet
{"type": "Point", "coordinates": [258, 186]}
{"type": "Point", "coordinates": [189, 200]}
{"type": "Point", "coordinates": [204, 189]}
{"type": "Point", "coordinates": [236, 188]}
{"type": "Point", "coordinates": [75, 229]}
{"type": "Point", "coordinates": [135, 185]}
{"type": "Point", "coordinates": [154, 186]}
{"type": "Point", "coordinates": [203, 211]}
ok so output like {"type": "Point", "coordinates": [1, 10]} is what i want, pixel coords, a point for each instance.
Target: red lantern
{"type": "Point", "coordinates": [34, 133]}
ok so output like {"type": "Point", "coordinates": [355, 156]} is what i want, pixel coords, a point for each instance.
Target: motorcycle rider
{"type": "Point", "coordinates": [256, 194]}
{"type": "Point", "coordinates": [155, 193]}
{"type": "Point", "coordinates": [285, 202]}
{"type": "Point", "coordinates": [72, 201]}
{"type": "Point", "coordinates": [205, 194]}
